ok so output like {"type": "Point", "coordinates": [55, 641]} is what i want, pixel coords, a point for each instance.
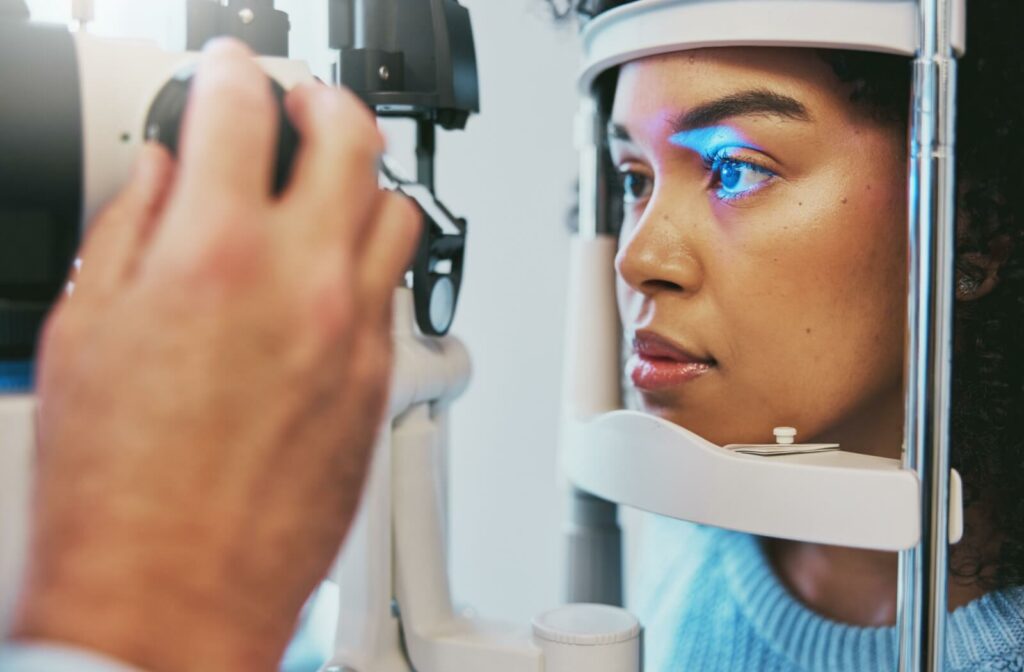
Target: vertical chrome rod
{"type": "Point", "coordinates": [932, 227]}
{"type": "Point", "coordinates": [593, 191]}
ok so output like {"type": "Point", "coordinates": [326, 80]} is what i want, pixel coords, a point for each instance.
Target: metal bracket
{"type": "Point", "coordinates": [416, 59]}
{"type": "Point", "coordinates": [437, 268]}
{"type": "Point", "coordinates": [254, 22]}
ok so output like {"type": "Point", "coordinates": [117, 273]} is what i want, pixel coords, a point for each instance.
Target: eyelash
{"type": "Point", "coordinates": [713, 163]}
{"type": "Point", "coordinates": [625, 173]}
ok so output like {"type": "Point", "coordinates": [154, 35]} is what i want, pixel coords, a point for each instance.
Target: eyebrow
{"type": "Point", "coordinates": [745, 103]}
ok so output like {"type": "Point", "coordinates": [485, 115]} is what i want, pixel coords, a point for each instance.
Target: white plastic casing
{"type": "Point", "coordinates": [17, 439]}
{"type": "Point", "coordinates": [119, 81]}
{"type": "Point", "coordinates": [592, 380]}
{"type": "Point", "coordinates": [838, 498]}
{"type": "Point", "coordinates": [651, 27]}
{"type": "Point", "coordinates": [592, 637]}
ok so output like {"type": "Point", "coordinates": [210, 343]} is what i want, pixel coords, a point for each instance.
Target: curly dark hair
{"type": "Point", "coordinates": [988, 372]}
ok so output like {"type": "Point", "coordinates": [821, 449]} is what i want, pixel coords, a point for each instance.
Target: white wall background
{"type": "Point", "coordinates": [514, 170]}
{"type": "Point", "coordinates": [511, 174]}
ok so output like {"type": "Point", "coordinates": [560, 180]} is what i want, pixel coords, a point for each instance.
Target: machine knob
{"type": "Point", "coordinates": [591, 637]}
{"type": "Point", "coordinates": [163, 123]}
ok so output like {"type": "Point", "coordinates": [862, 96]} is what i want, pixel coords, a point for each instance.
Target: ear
{"type": "Point", "coordinates": [977, 273]}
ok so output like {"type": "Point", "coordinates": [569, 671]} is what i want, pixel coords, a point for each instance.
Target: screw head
{"type": "Point", "coordinates": [384, 73]}
{"type": "Point", "coordinates": [247, 16]}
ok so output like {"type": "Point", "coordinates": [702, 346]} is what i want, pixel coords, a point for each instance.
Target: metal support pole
{"type": "Point", "coordinates": [593, 187]}
{"type": "Point", "coordinates": [426, 148]}
{"type": "Point", "coordinates": [932, 227]}
{"type": "Point", "coordinates": [595, 551]}
{"type": "Point", "coordinates": [594, 536]}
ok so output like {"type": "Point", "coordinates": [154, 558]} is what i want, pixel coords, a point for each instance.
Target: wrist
{"type": "Point", "coordinates": [157, 637]}
{"type": "Point", "coordinates": [143, 613]}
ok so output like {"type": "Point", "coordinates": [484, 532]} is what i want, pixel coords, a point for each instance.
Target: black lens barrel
{"type": "Point", "coordinates": [41, 157]}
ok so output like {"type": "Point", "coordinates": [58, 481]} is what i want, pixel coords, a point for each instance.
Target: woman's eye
{"type": "Point", "coordinates": [636, 186]}
{"type": "Point", "coordinates": [734, 178]}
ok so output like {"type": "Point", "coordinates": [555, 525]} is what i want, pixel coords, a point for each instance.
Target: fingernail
{"type": "Point", "coordinates": [320, 96]}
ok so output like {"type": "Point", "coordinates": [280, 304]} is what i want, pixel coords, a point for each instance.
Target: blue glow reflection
{"type": "Point", "coordinates": [734, 177]}
{"type": "Point", "coordinates": [711, 140]}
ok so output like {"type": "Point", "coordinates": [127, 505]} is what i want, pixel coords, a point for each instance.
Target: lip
{"type": "Point", "coordinates": [659, 364]}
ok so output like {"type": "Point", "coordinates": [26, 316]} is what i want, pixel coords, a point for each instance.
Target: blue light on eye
{"type": "Point", "coordinates": [730, 176]}
{"type": "Point", "coordinates": [738, 177]}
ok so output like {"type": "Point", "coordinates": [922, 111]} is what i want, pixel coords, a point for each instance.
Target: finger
{"type": "Point", "coordinates": [391, 243]}
{"type": "Point", "coordinates": [116, 240]}
{"type": "Point", "coordinates": [229, 127]}
{"type": "Point", "coordinates": [334, 181]}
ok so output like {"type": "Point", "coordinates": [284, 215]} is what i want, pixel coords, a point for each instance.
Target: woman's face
{"type": "Point", "coordinates": [762, 262]}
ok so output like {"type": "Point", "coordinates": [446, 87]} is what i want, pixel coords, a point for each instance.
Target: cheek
{"type": "Point", "coordinates": [818, 291]}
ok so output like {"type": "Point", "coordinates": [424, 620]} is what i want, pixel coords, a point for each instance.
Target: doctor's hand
{"type": "Point", "coordinates": [210, 392]}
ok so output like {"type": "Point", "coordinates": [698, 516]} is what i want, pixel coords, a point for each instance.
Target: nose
{"type": "Point", "coordinates": [659, 255]}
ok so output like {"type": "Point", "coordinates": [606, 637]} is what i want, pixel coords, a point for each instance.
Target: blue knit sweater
{"type": "Point", "coordinates": [710, 602]}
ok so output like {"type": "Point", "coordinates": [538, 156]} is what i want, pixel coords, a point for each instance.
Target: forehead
{"type": "Point", "coordinates": [672, 83]}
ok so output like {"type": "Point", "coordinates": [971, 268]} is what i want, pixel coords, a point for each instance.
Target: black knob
{"type": "Point", "coordinates": [163, 123]}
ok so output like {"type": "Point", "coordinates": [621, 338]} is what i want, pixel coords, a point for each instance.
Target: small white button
{"type": "Point", "coordinates": [784, 435]}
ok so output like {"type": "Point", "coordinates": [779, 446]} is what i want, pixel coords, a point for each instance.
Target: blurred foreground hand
{"type": "Point", "coordinates": [210, 392]}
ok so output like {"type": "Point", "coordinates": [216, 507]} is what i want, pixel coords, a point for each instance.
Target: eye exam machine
{"type": "Point", "coordinates": [396, 612]}
{"type": "Point", "coordinates": [816, 493]}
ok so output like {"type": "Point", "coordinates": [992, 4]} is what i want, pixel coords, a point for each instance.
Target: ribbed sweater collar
{"type": "Point", "coordinates": [989, 628]}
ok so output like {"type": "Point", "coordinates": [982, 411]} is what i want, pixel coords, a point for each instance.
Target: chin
{"type": "Point", "coordinates": [719, 423]}
{"type": "Point", "coordinates": [701, 421]}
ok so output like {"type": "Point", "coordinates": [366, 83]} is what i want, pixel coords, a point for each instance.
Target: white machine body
{"type": "Point", "coordinates": [393, 570]}
{"type": "Point", "coordinates": [828, 497]}
{"type": "Point", "coordinates": [588, 637]}
{"type": "Point", "coordinates": [17, 438]}
{"type": "Point", "coordinates": [119, 82]}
